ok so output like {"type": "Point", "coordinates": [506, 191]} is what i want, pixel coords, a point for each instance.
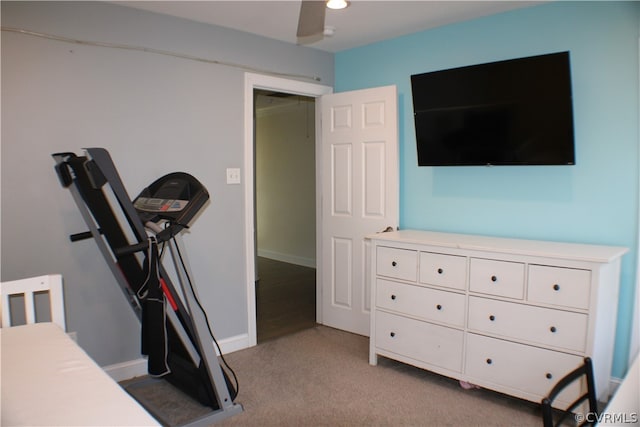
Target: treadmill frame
{"type": "Point", "coordinates": [188, 321]}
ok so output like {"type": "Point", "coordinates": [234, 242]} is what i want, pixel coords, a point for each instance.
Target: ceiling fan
{"type": "Point", "coordinates": [311, 26]}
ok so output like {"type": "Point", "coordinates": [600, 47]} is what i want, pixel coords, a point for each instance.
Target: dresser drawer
{"type": "Point", "coordinates": [429, 304]}
{"type": "Point", "coordinates": [501, 278]}
{"type": "Point", "coordinates": [443, 270]}
{"type": "Point", "coordinates": [397, 263]}
{"type": "Point", "coordinates": [566, 287]}
{"type": "Point", "coordinates": [426, 342]}
{"type": "Point", "coordinates": [561, 329]}
{"type": "Point", "coordinates": [529, 369]}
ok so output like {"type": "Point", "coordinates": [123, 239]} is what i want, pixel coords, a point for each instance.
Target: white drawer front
{"type": "Point", "coordinates": [433, 344]}
{"type": "Point", "coordinates": [561, 329]}
{"type": "Point", "coordinates": [567, 287]}
{"type": "Point", "coordinates": [397, 263]}
{"type": "Point", "coordinates": [443, 270]}
{"type": "Point", "coordinates": [526, 368]}
{"type": "Point", "coordinates": [500, 278]}
{"type": "Point", "coordinates": [430, 304]}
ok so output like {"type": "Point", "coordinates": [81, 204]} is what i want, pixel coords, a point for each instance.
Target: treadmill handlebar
{"type": "Point", "coordinates": [128, 250]}
{"type": "Point", "coordinates": [82, 236]}
{"type": "Point", "coordinates": [161, 237]}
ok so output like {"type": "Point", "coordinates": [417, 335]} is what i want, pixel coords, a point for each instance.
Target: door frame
{"type": "Point", "coordinates": [260, 81]}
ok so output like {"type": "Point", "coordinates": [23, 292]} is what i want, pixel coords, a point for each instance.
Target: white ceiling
{"type": "Point", "coordinates": [362, 23]}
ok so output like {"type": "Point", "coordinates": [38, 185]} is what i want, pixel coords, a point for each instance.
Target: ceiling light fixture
{"type": "Point", "coordinates": [337, 4]}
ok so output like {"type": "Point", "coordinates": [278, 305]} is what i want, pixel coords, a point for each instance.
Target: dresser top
{"type": "Point", "coordinates": [572, 251]}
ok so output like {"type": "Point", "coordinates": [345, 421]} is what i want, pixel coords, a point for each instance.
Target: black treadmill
{"type": "Point", "coordinates": [133, 237]}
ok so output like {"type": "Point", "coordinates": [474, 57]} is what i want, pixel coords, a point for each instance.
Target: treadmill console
{"type": "Point", "coordinates": [176, 197]}
{"type": "Point", "coordinates": [150, 204]}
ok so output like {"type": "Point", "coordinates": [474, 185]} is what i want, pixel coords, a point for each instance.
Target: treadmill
{"type": "Point", "coordinates": [133, 237]}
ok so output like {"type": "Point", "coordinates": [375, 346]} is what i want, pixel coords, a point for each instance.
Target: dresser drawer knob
{"type": "Point", "coordinates": [440, 271]}
{"type": "Point", "coordinates": [549, 376]}
{"type": "Point", "coordinates": [556, 287]}
{"type": "Point", "coordinates": [494, 278]}
{"type": "Point", "coordinates": [489, 361]}
{"type": "Point", "coordinates": [393, 297]}
{"type": "Point", "coordinates": [553, 329]}
{"type": "Point", "coordinates": [439, 307]}
{"type": "Point", "coordinates": [393, 263]}
{"type": "Point", "coordinates": [392, 334]}
{"type": "Point", "coordinates": [492, 317]}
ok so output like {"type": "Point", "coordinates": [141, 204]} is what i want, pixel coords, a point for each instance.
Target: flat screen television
{"type": "Point", "coordinates": [513, 112]}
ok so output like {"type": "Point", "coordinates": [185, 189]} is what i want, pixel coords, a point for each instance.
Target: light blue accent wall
{"type": "Point", "coordinates": [595, 201]}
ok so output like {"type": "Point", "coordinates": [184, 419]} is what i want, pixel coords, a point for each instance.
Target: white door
{"type": "Point", "coordinates": [360, 187]}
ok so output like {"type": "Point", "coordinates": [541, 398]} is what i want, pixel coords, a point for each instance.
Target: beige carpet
{"type": "Point", "coordinates": [321, 377]}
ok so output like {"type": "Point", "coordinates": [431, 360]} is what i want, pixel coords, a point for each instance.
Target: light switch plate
{"type": "Point", "coordinates": [233, 175]}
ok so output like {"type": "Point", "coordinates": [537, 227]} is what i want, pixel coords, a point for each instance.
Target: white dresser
{"type": "Point", "coordinates": [509, 315]}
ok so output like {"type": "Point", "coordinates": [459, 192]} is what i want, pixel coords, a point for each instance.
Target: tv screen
{"type": "Point", "coordinates": [513, 112]}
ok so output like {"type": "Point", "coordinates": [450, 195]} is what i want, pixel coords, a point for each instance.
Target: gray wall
{"type": "Point", "coordinates": [155, 114]}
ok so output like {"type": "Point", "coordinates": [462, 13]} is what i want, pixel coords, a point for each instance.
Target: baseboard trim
{"type": "Point", "coordinates": [138, 367]}
{"type": "Point", "coordinates": [231, 344]}
{"type": "Point", "coordinates": [291, 259]}
{"type": "Point", "coordinates": [127, 370]}
{"type": "Point", "coordinates": [614, 383]}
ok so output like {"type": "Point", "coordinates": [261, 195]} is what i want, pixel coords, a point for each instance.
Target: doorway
{"type": "Point", "coordinates": [285, 213]}
{"type": "Point", "coordinates": [260, 81]}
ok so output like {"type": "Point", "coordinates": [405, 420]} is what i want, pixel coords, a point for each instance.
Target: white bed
{"type": "Point", "coordinates": [624, 407]}
{"type": "Point", "coordinates": [48, 380]}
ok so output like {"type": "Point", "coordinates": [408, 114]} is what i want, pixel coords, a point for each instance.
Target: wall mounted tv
{"type": "Point", "coordinates": [513, 112]}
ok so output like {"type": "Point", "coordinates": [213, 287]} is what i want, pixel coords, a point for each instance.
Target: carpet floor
{"type": "Point", "coordinates": [321, 377]}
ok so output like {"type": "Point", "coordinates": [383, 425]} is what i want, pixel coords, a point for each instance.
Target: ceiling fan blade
{"type": "Point", "coordinates": [311, 21]}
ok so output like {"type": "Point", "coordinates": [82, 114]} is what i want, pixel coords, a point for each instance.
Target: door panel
{"type": "Point", "coordinates": [341, 285]}
{"type": "Point", "coordinates": [360, 197]}
{"type": "Point", "coordinates": [341, 193]}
